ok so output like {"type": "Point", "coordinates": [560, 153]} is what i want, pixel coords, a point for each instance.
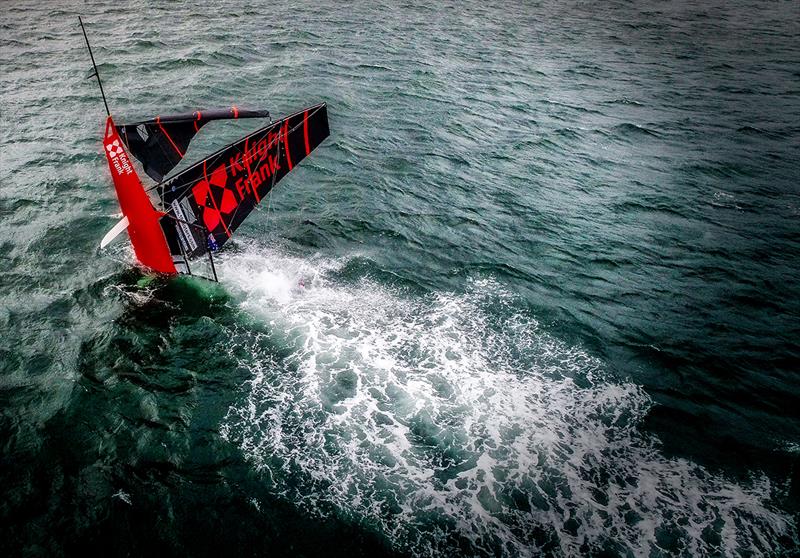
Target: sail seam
{"type": "Point", "coordinates": [166, 135]}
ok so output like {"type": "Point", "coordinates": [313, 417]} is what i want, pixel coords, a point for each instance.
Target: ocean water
{"type": "Point", "coordinates": [537, 294]}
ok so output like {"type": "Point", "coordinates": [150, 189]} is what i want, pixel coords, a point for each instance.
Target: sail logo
{"type": "Point", "coordinates": [114, 148]}
{"type": "Point", "coordinates": [117, 156]}
{"type": "Point", "coordinates": [214, 197]}
{"type": "Point", "coordinates": [185, 235]}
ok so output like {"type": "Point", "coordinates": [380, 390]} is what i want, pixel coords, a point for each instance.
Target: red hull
{"type": "Point", "coordinates": [147, 237]}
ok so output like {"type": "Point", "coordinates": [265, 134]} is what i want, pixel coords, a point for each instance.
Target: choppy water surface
{"type": "Point", "coordinates": [536, 294]}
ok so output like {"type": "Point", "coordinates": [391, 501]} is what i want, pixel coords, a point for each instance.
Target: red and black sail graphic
{"type": "Point", "coordinates": [209, 200]}
{"type": "Point", "coordinates": [160, 144]}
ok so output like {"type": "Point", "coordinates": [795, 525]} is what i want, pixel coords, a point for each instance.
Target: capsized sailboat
{"type": "Point", "coordinates": [200, 207]}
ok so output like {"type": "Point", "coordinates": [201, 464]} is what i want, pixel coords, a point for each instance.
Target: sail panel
{"type": "Point", "coordinates": [160, 144]}
{"type": "Point", "coordinates": [207, 202]}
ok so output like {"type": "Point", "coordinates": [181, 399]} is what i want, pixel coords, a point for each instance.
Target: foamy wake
{"type": "Point", "coordinates": [454, 424]}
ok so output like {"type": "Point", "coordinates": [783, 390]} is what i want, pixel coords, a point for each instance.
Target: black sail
{"type": "Point", "coordinates": [208, 201]}
{"type": "Point", "coordinates": [160, 144]}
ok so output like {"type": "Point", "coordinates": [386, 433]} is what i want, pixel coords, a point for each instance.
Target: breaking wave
{"type": "Point", "coordinates": [455, 423]}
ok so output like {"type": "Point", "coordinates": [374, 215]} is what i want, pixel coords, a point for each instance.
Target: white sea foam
{"type": "Point", "coordinates": [452, 423]}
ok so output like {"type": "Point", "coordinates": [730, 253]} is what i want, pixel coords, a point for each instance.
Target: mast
{"type": "Point", "coordinates": [96, 74]}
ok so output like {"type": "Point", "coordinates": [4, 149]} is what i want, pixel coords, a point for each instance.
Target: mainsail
{"type": "Point", "coordinates": [160, 144]}
{"type": "Point", "coordinates": [206, 202]}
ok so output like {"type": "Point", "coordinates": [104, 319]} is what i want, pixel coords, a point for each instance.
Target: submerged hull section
{"type": "Point", "coordinates": [147, 237]}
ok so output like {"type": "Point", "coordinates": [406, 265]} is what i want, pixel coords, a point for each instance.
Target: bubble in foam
{"type": "Point", "coordinates": [453, 423]}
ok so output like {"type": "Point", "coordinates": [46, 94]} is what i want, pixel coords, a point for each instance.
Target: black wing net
{"type": "Point", "coordinates": [208, 201]}
{"type": "Point", "coordinates": [160, 144]}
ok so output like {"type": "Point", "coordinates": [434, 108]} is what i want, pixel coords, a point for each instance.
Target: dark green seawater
{"type": "Point", "coordinates": [537, 294]}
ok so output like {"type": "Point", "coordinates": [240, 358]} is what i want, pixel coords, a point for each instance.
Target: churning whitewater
{"type": "Point", "coordinates": [535, 294]}
{"type": "Point", "coordinates": [455, 422]}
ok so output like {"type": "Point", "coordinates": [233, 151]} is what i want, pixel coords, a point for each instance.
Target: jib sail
{"type": "Point", "coordinates": [206, 202]}
{"type": "Point", "coordinates": [160, 144]}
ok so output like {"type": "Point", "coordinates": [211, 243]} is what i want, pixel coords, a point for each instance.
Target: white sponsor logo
{"type": "Point", "coordinates": [114, 148]}
{"type": "Point", "coordinates": [186, 239]}
{"type": "Point", "coordinates": [187, 210]}
{"type": "Point", "coordinates": [118, 157]}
